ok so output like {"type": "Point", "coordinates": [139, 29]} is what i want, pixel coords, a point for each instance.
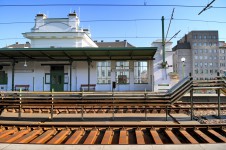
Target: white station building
{"type": "Point", "coordinates": [63, 57]}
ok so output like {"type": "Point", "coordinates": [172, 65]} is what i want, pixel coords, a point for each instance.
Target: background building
{"type": "Point", "coordinates": [202, 55]}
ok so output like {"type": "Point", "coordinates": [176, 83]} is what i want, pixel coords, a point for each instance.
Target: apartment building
{"type": "Point", "coordinates": [203, 58]}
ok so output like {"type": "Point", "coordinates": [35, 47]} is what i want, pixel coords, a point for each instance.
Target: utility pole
{"type": "Point", "coordinates": [163, 44]}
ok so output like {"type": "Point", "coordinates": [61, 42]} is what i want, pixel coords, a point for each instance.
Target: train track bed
{"type": "Point", "coordinates": [200, 109]}
{"type": "Point", "coordinates": [112, 134]}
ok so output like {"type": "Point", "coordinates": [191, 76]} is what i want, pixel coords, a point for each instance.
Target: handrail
{"type": "Point", "coordinates": [104, 98]}
{"type": "Point", "coordinates": [179, 84]}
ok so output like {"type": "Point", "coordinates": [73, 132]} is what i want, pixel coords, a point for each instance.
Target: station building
{"type": "Point", "coordinates": [61, 56]}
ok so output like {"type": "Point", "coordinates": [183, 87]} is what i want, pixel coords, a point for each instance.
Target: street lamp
{"type": "Point", "coordinates": [183, 60]}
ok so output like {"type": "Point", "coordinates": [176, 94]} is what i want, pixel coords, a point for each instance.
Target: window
{"type": "Point", "coordinates": [122, 72]}
{"type": "Point", "coordinates": [206, 71]}
{"type": "Point", "coordinates": [104, 72]}
{"type": "Point", "coordinates": [200, 44]}
{"type": "Point", "coordinates": [205, 57]}
{"type": "Point", "coordinates": [215, 57]}
{"type": "Point", "coordinates": [200, 37]}
{"type": "Point", "coordinates": [204, 36]}
{"type": "Point", "coordinates": [195, 37]}
{"type": "Point", "coordinates": [211, 71]}
{"type": "Point", "coordinates": [196, 71]}
{"type": "Point", "coordinates": [206, 64]}
{"type": "Point", "coordinates": [200, 51]}
{"type": "Point", "coordinates": [194, 44]}
{"type": "Point", "coordinates": [196, 64]}
{"type": "Point", "coordinates": [201, 71]}
{"type": "Point", "coordinates": [211, 64]}
{"type": "Point", "coordinates": [196, 57]}
{"type": "Point", "coordinates": [205, 51]}
{"type": "Point", "coordinates": [140, 72]}
{"type": "Point", "coordinates": [200, 57]}
{"type": "Point", "coordinates": [195, 51]}
{"type": "Point", "coordinates": [200, 64]}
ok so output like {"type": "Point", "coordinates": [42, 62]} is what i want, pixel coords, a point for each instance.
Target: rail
{"type": "Point", "coordinates": [112, 134]}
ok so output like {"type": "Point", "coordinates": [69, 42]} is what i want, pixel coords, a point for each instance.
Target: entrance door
{"type": "Point", "coordinates": [57, 78]}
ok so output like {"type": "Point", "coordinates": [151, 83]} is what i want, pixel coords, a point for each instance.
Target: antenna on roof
{"type": "Point", "coordinates": [207, 7]}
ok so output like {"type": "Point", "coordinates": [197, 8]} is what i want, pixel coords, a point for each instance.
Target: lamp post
{"type": "Point", "coordinates": [183, 60]}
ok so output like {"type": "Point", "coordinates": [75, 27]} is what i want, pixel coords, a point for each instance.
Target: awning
{"type": "Point", "coordinates": [77, 54]}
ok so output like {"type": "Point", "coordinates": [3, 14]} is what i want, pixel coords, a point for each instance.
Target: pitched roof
{"type": "Point", "coordinates": [117, 43]}
{"type": "Point", "coordinates": [17, 45]}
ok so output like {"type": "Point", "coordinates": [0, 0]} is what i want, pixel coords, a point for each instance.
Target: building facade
{"type": "Point", "coordinates": [162, 78]}
{"type": "Point", "coordinates": [62, 57]}
{"type": "Point", "coordinates": [203, 58]}
{"type": "Point", "coordinates": [59, 32]}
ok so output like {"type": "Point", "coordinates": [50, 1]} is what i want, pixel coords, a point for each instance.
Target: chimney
{"type": "Point", "coordinates": [17, 43]}
{"type": "Point", "coordinates": [73, 20]}
{"type": "Point", "coordinates": [116, 40]}
{"type": "Point", "coordinates": [102, 40]}
{"type": "Point", "coordinates": [27, 42]}
{"type": "Point", "coordinates": [39, 20]}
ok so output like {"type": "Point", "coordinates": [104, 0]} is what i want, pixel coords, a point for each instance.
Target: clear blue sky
{"type": "Point", "coordinates": [113, 30]}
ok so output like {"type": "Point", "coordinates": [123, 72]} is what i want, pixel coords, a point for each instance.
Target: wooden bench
{"type": "Point", "coordinates": [84, 87]}
{"type": "Point", "coordinates": [23, 87]}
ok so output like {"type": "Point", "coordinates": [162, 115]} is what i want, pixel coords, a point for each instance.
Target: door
{"type": "Point", "coordinates": [57, 78]}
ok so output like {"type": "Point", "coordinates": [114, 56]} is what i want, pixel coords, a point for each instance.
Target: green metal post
{"type": "Point", "coordinates": [70, 75]}
{"type": "Point", "coordinates": [163, 42]}
{"type": "Point", "coordinates": [89, 63]}
{"type": "Point", "coordinates": [13, 74]}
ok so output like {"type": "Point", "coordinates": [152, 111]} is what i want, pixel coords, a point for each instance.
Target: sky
{"type": "Point", "coordinates": [133, 20]}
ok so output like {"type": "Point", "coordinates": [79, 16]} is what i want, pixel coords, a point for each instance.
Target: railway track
{"type": "Point", "coordinates": [200, 109]}
{"type": "Point", "coordinates": [112, 134]}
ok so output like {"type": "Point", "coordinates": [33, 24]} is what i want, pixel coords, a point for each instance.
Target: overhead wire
{"type": "Point", "coordinates": [125, 20]}
{"type": "Point", "coordinates": [106, 5]}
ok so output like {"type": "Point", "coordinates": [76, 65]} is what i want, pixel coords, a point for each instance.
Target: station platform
{"type": "Point", "coordinates": [112, 147]}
